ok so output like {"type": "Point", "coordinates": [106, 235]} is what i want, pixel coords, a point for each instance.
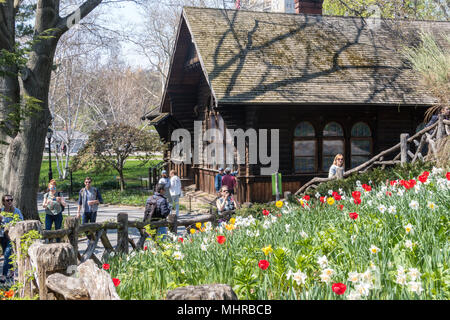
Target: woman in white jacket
{"type": "Point", "coordinates": [175, 190]}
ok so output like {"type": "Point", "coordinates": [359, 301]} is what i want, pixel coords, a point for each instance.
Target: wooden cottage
{"type": "Point", "coordinates": [329, 84]}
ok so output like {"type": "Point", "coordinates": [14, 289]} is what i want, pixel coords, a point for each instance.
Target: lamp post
{"type": "Point", "coordinates": [49, 138]}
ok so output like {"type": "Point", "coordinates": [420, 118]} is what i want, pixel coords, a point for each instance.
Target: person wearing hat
{"type": "Point", "coordinates": [166, 182]}
{"type": "Point", "coordinates": [229, 180]}
{"type": "Point", "coordinates": [218, 180]}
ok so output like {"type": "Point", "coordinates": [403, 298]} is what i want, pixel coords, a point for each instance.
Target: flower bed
{"type": "Point", "coordinates": [379, 242]}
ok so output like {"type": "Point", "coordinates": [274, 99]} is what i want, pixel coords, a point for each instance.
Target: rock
{"type": "Point", "coordinates": [203, 292]}
{"type": "Point", "coordinates": [98, 282]}
{"type": "Point", "coordinates": [69, 288]}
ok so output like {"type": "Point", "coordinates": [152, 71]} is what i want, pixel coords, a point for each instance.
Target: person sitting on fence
{"type": "Point", "coordinates": [435, 117]}
{"type": "Point", "coordinates": [226, 201]}
{"type": "Point", "coordinates": [157, 208]}
{"type": "Point", "coordinates": [8, 214]}
{"type": "Point", "coordinates": [54, 205]}
{"type": "Point", "coordinates": [337, 169]}
{"type": "Point", "coordinates": [166, 182]}
{"type": "Point", "coordinates": [88, 200]}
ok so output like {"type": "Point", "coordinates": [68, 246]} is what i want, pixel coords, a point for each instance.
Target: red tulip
{"type": "Point", "coordinates": [106, 266]}
{"type": "Point", "coordinates": [426, 173]}
{"type": "Point", "coordinates": [366, 187]}
{"type": "Point", "coordinates": [448, 175]}
{"type": "Point", "coordinates": [145, 248]}
{"type": "Point", "coordinates": [116, 281]}
{"type": "Point", "coordinates": [263, 264]}
{"type": "Point", "coordinates": [341, 207]}
{"type": "Point", "coordinates": [322, 199]}
{"type": "Point", "coordinates": [388, 193]}
{"type": "Point", "coordinates": [339, 288]}
{"type": "Point", "coordinates": [353, 215]}
{"type": "Point", "coordinates": [221, 239]}
{"type": "Point", "coordinates": [180, 239]}
{"type": "Point", "coordinates": [356, 194]}
{"type": "Point", "coordinates": [334, 194]}
{"type": "Point", "coordinates": [265, 212]}
{"type": "Point", "coordinates": [337, 197]}
{"type": "Point", "coordinates": [423, 178]}
{"type": "Point", "coordinates": [306, 197]}
{"type": "Point", "coordinates": [357, 201]}
{"type": "Point", "coordinates": [393, 182]}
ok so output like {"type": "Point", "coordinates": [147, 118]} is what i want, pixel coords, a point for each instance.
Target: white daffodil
{"type": "Point", "coordinates": [299, 277]}
{"type": "Point", "coordinates": [203, 247]}
{"type": "Point", "coordinates": [401, 279]}
{"type": "Point", "coordinates": [382, 208]}
{"type": "Point", "coordinates": [374, 249]}
{"type": "Point", "coordinates": [325, 278]}
{"type": "Point", "coordinates": [177, 255]}
{"type": "Point", "coordinates": [392, 210]}
{"type": "Point", "coordinates": [409, 244]}
{"type": "Point", "coordinates": [328, 272]}
{"type": "Point", "coordinates": [322, 261]}
{"type": "Point", "coordinates": [414, 274]}
{"type": "Point", "coordinates": [287, 227]}
{"type": "Point", "coordinates": [414, 205]}
{"type": "Point", "coordinates": [415, 286]}
{"type": "Point", "coordinates": [400, 192]}
{"type": "Point", "coordinates": [330, 192]}
{"type": "Point", "coordinates": [363, 289]}
{"type": "Point", "coordinates": [353, 277]}
{"type": "Point", "coordinates": [354, 295]}
{"type": "Point", "coordinates": [317, 195]}
{"type": "Point", "coordinates": [400, 270]}
{"type": "Point", "coordinates": [409, 228]}
{"type": "Point", "coordinates": [431, 205]}
{"type": "Point", "coordinates": [367, 276]}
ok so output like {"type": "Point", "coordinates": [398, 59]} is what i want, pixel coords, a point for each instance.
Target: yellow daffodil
{"type": "Point", "coordinates": [279, 204]}
{"type": "Point", "coordinates": [232, 220]}
{"type": "Point", "coordinates": [229, 227]}
{"type": "Point", "coordinates": [330, 201]}
{"type": "Point", "coordinates": [267, 249]}
{"type": "Point", "coordinates": [198, 225]}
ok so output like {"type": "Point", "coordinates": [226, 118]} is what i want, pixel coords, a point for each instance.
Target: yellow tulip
{"type": "Point", "coordinates": [279, 204]}
{"type": "Point", "coordinates": [229, 227]}
{"type": "Point", "coordinates": [198, 225]}
{"type": "Point", "coordinates": [192, 231]}
{"type": "Point", "coordinates": [232, 220]}
{"type": "Point", "coordinates": [330, 201]}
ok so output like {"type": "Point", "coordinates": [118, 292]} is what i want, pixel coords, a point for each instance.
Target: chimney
{"type": "Point", "coordinates": [308, 6]}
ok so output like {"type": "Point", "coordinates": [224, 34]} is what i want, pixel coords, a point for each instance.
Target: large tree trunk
{"type": "Point", "coordinates": [21, 163]}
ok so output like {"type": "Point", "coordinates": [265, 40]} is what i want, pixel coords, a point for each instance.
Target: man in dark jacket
{"type": "Point", "coordinates": [162, 206]}
{"type": "Point", "coordinates": [218, 180]}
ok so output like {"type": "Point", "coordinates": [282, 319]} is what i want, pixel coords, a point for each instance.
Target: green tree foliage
{"type": "Point", "coordinates": [389, 9]}
{"type": "Point", "coordinates": [110, 148]}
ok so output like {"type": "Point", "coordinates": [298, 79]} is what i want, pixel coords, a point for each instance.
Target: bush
{"type": "Point", "coordinates": [375, 176]}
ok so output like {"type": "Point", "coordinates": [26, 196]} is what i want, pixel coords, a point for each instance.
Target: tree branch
{"type": "Point", "coordinates": [75, 16]}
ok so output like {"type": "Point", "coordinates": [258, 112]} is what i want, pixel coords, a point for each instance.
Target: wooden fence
{"type": "Point", "coordinates": [429, 136]}
{"type": "Point", "coordinates": [99, 232]}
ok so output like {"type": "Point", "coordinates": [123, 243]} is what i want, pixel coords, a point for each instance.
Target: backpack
{"type": "Point", "coordinates": [151, 209]}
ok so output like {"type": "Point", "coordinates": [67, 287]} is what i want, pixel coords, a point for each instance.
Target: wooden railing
{"type": "Point", "coordinates": [99, 232]}
{"type": "Point", "coordinates": [429, 136]}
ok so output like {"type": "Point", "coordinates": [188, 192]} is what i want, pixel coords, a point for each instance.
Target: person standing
{"type": "Point", "coordinates": [229, 180]}
{"type": "Point", "coordinates": [218, 180]}
{"type": "Point", "coordinates": [54, 205]}
{"type": "Point", "coordinates": [164, 180]}
{"type": "Point", "coordinates": [8, 214]}
{"type": "Point", "coordinates": [175, 190]}
{"type": "Point", "coordinates": [88, 200]}
{"type": "Point", "coordinates": [337, 168]}
{"type": "Point", "coordinates": [158, 206]}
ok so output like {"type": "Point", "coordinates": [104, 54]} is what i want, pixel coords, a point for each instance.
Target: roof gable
{"type": "Point", "coordinates": [261, 57]}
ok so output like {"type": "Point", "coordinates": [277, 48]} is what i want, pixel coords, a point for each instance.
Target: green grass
{"type": "Point", "coordinates": [106, 181]}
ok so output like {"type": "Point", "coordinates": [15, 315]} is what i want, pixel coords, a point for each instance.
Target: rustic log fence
{"type": "Point", "coordinates": [429, 136]}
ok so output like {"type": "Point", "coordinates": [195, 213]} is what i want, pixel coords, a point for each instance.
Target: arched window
{"type": "Point", "coordinates": [361, 144]}
{"type": "Point", "coordinates": [305, 145]}
{"type": "Point", "coordinates": [333, 143]}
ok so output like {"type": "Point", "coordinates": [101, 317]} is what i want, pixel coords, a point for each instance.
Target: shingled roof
{"type": "Point", "coordinates": [261, 57]}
